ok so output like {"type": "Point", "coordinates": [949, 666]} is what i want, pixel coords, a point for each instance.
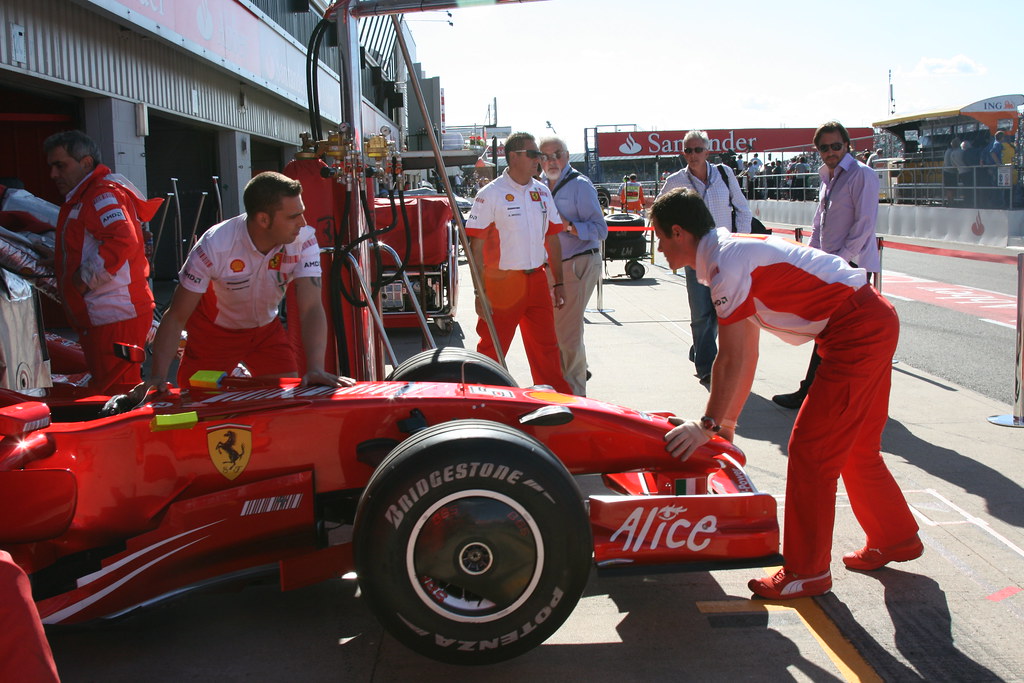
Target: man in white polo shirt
{"type": "Point", "coordinates": [513, 230]}
{"type": "Point", "coordinates": [232, 284]}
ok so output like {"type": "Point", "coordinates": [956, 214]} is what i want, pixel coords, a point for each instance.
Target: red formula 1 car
{"type": "Point", "coordinates": [454, 502]}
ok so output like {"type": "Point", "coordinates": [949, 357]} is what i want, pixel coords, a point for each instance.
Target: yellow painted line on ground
{"type": "Point", "coordinates": [851, 665]}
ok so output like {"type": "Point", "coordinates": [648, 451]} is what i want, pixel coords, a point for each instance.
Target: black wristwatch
{"type": "Point", "coordinates": [708, 424]}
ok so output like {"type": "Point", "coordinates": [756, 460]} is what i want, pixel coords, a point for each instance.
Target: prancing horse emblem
{"type": "Point", "coordinates": [230, 447]}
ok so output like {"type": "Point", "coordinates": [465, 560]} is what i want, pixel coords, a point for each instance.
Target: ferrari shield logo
{"type": "Point", "coordinates": [230, 446]}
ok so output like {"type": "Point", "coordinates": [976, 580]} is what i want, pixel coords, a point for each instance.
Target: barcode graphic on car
{"type": "Point", "coordinates": [261, 505]}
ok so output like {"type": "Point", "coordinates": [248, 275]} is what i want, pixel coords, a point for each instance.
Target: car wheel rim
{"type": "Point", "coordinates": [475, 556]}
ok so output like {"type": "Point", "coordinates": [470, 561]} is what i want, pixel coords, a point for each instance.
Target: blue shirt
{"type": "Point", "coordinates": [993, 153]}
{"type": "Point", "coordinates": [577, 203]}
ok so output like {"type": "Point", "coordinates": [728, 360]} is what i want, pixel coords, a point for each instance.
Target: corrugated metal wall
{"type": "Point", "coordinates": [74, 47]}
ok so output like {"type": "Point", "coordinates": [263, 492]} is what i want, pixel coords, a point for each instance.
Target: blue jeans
{"type": "Point", "coordinates": [703, 324]}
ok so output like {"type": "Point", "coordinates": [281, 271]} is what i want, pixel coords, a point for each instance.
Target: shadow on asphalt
{"type": "Point", "coordinates": [922, 632]}
{"type": "Point", "coordinates": [1002, 494]}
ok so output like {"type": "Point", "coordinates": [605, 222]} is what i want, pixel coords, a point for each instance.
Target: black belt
{"type": "Point", "coordinates": [528, 271]}
{"type": "Point", "coordinates": [583, 253]}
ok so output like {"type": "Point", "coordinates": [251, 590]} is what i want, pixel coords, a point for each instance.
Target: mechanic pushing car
{"type": "Point", "coordinates": [799, 294]}
{"type": "Point", "coordinates": [231, 286]}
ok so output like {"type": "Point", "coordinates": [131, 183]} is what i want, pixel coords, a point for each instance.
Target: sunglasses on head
{"type": "Point", "coordinates": [835, 147]}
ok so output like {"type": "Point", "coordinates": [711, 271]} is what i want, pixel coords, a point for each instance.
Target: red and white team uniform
{"type": "Point", "coordinates": [514, 221]}
{"type": "Point", "coordinates": [99, 235]}
{"type": "Point", "coordinates": [236, 320]}
{"type": "Point", "coordinates": [802, 294]}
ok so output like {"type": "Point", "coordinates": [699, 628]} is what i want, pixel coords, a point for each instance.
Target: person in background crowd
{"type": "Point", "coordinates": [100, 257]}
{"type": "Point", "coordinates": [800, 171]}
{"type": "Point", "coordinates": [230, 289]}
{"type": "Point", "coordinates": [753, 170]}
{"type": "Point", "coordinates": [843, 223]}
{"type": "Point", "coordinates": [952, 160]}
{"type": "Point", "coordinates": [1009, 152]}
{"type": "Point", "coordinates": [513, 230]}
{"type": "Point", "coordinates": [799, 293]}
{"type": "Point", "coordinates": [585, 229]}
{"type": "Point", "coordinates": [717, 186]}
{"type": "Point", "coordinates": [632, 196]}
{"type": "Point", "coordinates": [968, 170]}
{"type": "Point", "coordinates": [874, 156]}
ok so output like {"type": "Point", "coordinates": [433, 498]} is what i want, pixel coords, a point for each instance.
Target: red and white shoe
{"type": "Point", "coordinates": [785, 585]}
{"type": "Point", "coordinates": [868, 559]}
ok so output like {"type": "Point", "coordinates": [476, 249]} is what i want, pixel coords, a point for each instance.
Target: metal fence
{"type": "Point", "coordinates": [982, 187]}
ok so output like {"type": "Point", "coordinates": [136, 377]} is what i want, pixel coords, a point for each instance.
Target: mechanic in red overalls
{"type": "Point", "coordinates": [799, 294]}
{"type": "Point", "coordinates": [100, 258]}
{"type": "Point", "coordinates": [513, 229]}
{"type": "Point", "coordinates": [231, 287]}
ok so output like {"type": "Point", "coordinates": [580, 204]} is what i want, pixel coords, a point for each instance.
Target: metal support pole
{"type": "Point", "coordinates": [220, 204]}
{"type": "Point", "coordinates": [1017, 419]}
{"type": "Point", "coordinates": [474, 268]}
{"type": "Point", "coordinates": [600, 288]}
{"type": "Point", "coordinates": [177, 226]}
{"type": "Point", "coordinates": [160, 228]}
{"type": "Point", "coordinates": [195, 223]}
{"type": "Point", "coordinates": [878, 275]}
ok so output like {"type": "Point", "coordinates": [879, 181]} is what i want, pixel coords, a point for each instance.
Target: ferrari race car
{"type": "Point", "coordinates": [454, 501]}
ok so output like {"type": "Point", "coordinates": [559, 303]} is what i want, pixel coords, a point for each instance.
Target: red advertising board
{"type": "Point", "coordinates": [741, 140]}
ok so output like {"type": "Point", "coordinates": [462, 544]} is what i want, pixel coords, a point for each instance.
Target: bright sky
{"type": "Point", "coordinates": [676, 65]}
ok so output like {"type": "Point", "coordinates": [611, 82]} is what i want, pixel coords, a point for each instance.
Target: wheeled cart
{"type": "Point", "coordinates": [429, 250]}
{"type": "Point", "coordinates": [627, 241]}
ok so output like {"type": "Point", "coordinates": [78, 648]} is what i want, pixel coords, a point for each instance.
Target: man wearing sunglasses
{"type": "Point", "coordinates": [513, 234]}
{"type": "Point", "coordinates": [717, 186]}
{"type": "Point", "coordinates": [844, 222]}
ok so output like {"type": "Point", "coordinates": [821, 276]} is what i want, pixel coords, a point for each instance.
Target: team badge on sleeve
{"type": "Point", "coordinates": [535, 196]}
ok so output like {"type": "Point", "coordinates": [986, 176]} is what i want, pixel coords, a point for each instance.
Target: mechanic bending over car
{"type": "Point", "coordinates": [230, 288]}
{"type": "Point", "coordinates": [799, 294]}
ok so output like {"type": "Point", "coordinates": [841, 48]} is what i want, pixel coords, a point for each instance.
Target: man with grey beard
{"type": "Point", "coordinates": [585, 228]}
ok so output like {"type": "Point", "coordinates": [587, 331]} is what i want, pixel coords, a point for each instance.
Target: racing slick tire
{"type": "Point", "coordinates": [472, 542]}
{"type": "Point", "coordinates": [451, 364]}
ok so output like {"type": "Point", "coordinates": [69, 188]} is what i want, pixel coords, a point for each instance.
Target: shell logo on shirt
{"type": "Point", "coordinates": [510, 198]}
{"type": "Point", "coordinates": [535, 196]}
{"type": "Point", "coordinates": [237, 266]}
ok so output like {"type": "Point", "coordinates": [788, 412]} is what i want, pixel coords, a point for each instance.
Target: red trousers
{"type": "Point", "coordinates": [24, 653]}
{"type": "Point", "coordinates": [523, 300]}
{"type": "Point", "coordinates": [108, 371]}
{"type": "Point", "coordinates": [838, 431]}
{"type": "Point", "coordinates": [266, 351]}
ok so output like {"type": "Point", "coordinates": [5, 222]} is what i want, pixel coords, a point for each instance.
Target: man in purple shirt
{"type": "Point", "coordinates": [844, 222]}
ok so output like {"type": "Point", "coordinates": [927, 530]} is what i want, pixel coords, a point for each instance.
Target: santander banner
{"type": "Point", "coordinates": [741, 140]}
